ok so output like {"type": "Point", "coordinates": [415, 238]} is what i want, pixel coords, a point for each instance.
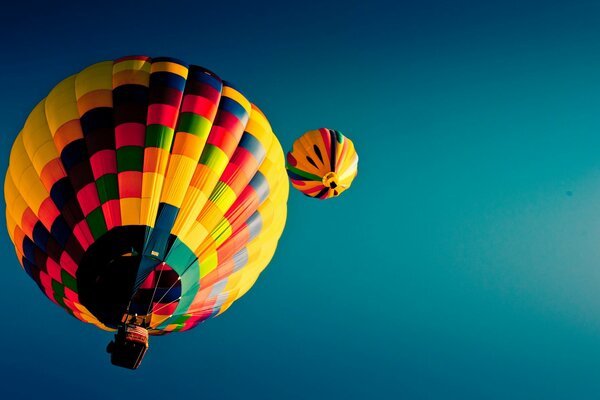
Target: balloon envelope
{"type": "Point", "coordinates": [322, 163]}
{"type": "Point", "coordinates": [145, 190]}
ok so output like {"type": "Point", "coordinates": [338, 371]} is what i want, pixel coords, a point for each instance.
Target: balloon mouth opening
{"type": "Point", "coordinates": [330, 180]}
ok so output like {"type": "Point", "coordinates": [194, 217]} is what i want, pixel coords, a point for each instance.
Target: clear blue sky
{"type": "Point", "coordinates": [463, 263]}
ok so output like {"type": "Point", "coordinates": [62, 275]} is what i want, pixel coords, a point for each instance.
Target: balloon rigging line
{"type": "Point", "coordinates": [168, 290]}
{"type": "Point", "coordinates": [160, 308]}
{"type": "Point", "coordinates": [155, 287]}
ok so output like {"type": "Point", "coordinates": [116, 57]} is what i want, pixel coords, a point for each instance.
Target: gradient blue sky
{"type": "Point", "coordinates": [463, 263]}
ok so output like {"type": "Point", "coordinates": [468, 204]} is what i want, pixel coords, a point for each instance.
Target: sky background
{"type": "Point", "coordinates": [462, 264]}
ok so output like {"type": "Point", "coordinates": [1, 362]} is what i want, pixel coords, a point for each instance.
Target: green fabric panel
{"type": "Point", "coordinates": [180, 256]}
{"type": "Point", "coordinates": [303, 173]}
{"type": "Point", "coordinates": [185, 263]}
{"type": "Point", "coordinates": [58, 288]}
{"type": "Point", "coordinates": [180, 319]}
{"type": "Point", "coordinates": [194, 124]}
{"type": "Point", "coordinates": [108, 188]}
{"type": "Point", "coordinates": [68, 280]}
{"type": "Point", "coordinates": [130, 158]}
{"type": "Point", "coordinates": [214, 158]}
{"type": "Point", "coordinates": [159, 136]}
{"type": "Point", "coordinates": [96, 222]}
{"type": "Point", "coordinates": [59, 294]}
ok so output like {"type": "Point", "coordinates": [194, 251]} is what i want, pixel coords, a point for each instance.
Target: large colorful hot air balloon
{"type": "Point", "coordinates": [322, 163]}
{"type": "Point", "coordinates": [145, 195]}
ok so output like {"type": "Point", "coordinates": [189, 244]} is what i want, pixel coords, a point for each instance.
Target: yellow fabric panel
{"type": "Point", "coordinates": [212, 215]}
{"type": "Point", "coordinates": [192, 204]}
{"type": "Point", "coordinates": [273, 210]}
{"type": "Point", "coordinates": [19, 160]}
{"type": "Point", "coordinates": [93, 87]}
{"type": "Point", "coordinates": [195, 198]}
{"type": "Point", "coordinates": [246, 281]}
{"type": "Point", "coordinates": [15, 205]}
{"type": "Point", "coordinates": [10, 190]}
{"type": "Point", "coordinates": [150, 197]}
{"type": "Point", "coordinates": [271, 166]}
{"type": "Point", "coordinates": [273, 175]}
{"type": "Point", "coordinates": [208, 263]}
{"type": "Point", "coordinates": [237, 96]}
{"type": "Point", "coordinates": [130, 210]}
{"type": "Point", "coordinates": [222, 197]}
{"type": "Point", "coordinates": [194, 235]}
{"type": "Point", "coordinates": [209, 245]}
{"type": "Point", "coordinates": [245, 284]}
{"type": "Point", "coordinates": [133, 77]}
{"type": "Point", "coordinates": [209, 220]}
{"type": "Point", "coordinates": [24, 175]}
{"type": "Point", "coordinates": [45, 154]}
{"type": "Point", "coordinates": [232, 281]}
{"type": "Point", "coordinates": [227, 296]}
{"type": "Point", "coordinates": [189, 145]}
{"type": "Point", "coordinates": [35, 193]}
{"type": "Point", "coordinates": [348, 165]}
{"type": "Point", "coordinates": [67, 133]}
{"type": "Point", "coordinates": [61, 105]}
{"type": "Point", "coordinates": [260, 128]}
{"type": "Point", "coordinates": [86, 316]}
{"type": "Point", "coordinates": [132, 65]}
{"type": "Point", "coordinates": [259, 257]}
{"type": "Point", "coordinates": [278, 200]}
{"type": "Point", "coordinates": [155, 164]}
{"type": "Point", "coordinates": [217, 163]}
{"type": "Point", "coordinates": [156, 160]}
{"type": "Point", "coordinates": [148, 208]}
{"type": "Point", "coordinates": [17, 210]}
{"type": "Point", "coordinates": [222, 232]}
{"type": "Point", "coordinates": [166, 66]}
{"type": "Point", "coordinates": [156, 320]}
{"type": "Point", "coordinates": [40, 146]}
{"type": "Point", "coordinates": [95, 99]}
{"type": "Point", "coordinates": [96, 77]}
{"type": "Point", "coordinates": [345, 179]}
{"type": "Point", "coordinates": [179, 173]}
{"type": "Point", "coordinates": [52, 172]}
{"type": "Point", "coordinates": [37, 138]}
{"type": "Point", "coordinates": [255, 259]}
{"type": "Point", "coordinates": [205, 178]}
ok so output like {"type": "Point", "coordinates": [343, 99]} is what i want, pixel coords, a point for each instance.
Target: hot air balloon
{"type": "Point", "coordinates": [144, 196]}
{"type": "Point", "coordinates": [322, 163]}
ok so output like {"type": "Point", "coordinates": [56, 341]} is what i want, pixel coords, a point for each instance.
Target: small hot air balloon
{"type": "Point", "coordinates": [145, 195]}
{"type": "Point", "coordinates": [322, 163]}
